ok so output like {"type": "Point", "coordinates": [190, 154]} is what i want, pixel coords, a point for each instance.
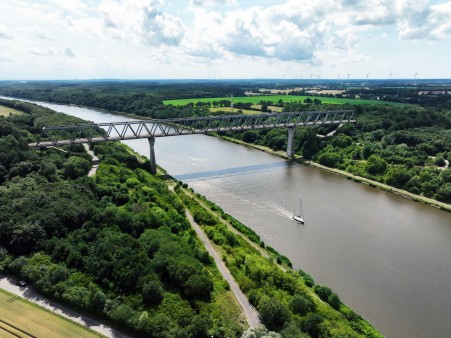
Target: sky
{"type": "Point", "coordinates": [224, 39]}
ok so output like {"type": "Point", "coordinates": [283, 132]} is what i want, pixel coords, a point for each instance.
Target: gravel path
{"type": "Point", "coordinates": [251, 314]}
{"type": "Point", "coordinates": [95, 160]}
{"type": "Point", "coordinates": [8, 284]}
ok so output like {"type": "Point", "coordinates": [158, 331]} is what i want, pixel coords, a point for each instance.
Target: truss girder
{"type": "Point", "coordinates": [101, 132]}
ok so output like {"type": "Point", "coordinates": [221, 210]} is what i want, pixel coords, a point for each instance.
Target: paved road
{"type": "Point", "coordinates": [251, 314]}
{"type": "Point", "coordinates": [30, 294]}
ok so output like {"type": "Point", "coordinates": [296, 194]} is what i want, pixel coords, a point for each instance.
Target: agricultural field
{"type": "Point", "coordinates": [276, 98]}
{"type": "Point", "coordinates": [20, 318]}
{"type": "Point", "coordinates": [5, 111]}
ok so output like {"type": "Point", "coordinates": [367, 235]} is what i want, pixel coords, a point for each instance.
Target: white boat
{"type": "Point", "coordinates": [300, 216]}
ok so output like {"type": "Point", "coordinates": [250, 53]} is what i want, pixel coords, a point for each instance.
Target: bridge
{"type": "Point", "coordinates": [150, 129]}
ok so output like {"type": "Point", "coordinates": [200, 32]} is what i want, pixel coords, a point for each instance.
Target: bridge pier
{"type": "Point", "coordinates": [153, 163]}
{"type": "Point", "coordinates": [290, 146]}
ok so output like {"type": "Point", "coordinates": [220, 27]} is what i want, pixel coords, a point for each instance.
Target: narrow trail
{"type": "Point", "coordinates": [95, 160]}
{"type": "Point", "coordinates": [252, 316]}
{"type": "Point", "coordinates": [262, 251]}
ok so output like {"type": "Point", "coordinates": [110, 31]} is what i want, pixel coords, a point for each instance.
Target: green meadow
{"type": "Point", "coordinates": [275, 98]}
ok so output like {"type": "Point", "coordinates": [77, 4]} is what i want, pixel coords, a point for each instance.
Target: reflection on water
{"type": "Point", "coordinates": [210, 174]}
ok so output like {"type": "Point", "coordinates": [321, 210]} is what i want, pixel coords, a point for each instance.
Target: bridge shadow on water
{"type": "Point", "coordinates": [211, 174]}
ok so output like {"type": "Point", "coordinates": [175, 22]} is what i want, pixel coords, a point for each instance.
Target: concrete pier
{"type": "Point", "coordinates": [290, 146]}
{"type": "Point", "coordinates": [153, 163]}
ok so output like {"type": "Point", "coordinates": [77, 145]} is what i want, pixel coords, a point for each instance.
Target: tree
{"type": "Point", "coordinates": [76, 167]}
{"type": "Point", "coordinates": [299, 305]}
{"type": "Point", "coordinates": [152, 293]}
{"type": "Point", "coordinates": [375, 165]}
{"type": "Point", "coordinates": [199, 287]}
{"type": "Point", "coordinates": [342, 141]}
{"type": "Point", "coordinates": [397, 176]}
{"type": "Point", "coordinates": [273, 313]}
{"type": "Point", "coordinates": [312, 325]}
{"type": "Point", "coordinates": [334, 301]}
{"type": "Point", "coordinates": [329, 159]}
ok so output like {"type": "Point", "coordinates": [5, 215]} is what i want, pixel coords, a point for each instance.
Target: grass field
{"type": "Point", "coordinates": [4, 111]}
{"type": "Point", "coordinates": [20, 318]}
{"type": "Point", "coordinates": [276, 98]}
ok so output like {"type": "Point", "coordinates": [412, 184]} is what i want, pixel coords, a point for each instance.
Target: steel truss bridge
{"type": "Point", "coordinates": [150, 129]}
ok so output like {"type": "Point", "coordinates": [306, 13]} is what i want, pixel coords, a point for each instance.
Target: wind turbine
{"type": "Point", "coordinates": [390, 75]}
{"type": "Point", "coordinates": [318, 76]}
{"type": "Point", "coordinates": [367, 74]}
{"type": "Point", "coordinates": [349, 74]}
{"type": "Point", "coordinates": [415, 75]}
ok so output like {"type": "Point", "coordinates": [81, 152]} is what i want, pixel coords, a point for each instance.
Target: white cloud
{"type": "Point", "coordinates": [66, 52]}
{"type": "Point", "coordinates": [141, 21]}
{"type": "Point", "coordinates": [4, 32]}
{"type": "Point", "coordinates": [39, 33]}
{"type": "Point", "coordinates": [201, 3]}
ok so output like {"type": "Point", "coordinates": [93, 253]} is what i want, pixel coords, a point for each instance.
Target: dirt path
{"type": "Point", "coordinates": [31, 295]}
{"type": "Point", "coordinates": [251, 314]}
{"type": "Point", "coordinates": [95, 160]}
{"type": "Point", "coordinates": [262, 251]}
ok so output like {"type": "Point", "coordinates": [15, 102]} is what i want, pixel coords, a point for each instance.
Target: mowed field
{"type": "Point", "coordinates": [20, 318]}
{"type": "Point", "coordinates": [276, 98]}
{"type": "Point", "coordinates": [4, 111]}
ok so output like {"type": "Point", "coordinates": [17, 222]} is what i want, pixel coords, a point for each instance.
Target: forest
{"type": "Point", "coordinates": [118, 246]}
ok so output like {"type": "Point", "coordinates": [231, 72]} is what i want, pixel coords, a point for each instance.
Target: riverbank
{"type": "Point", "coordinates": [358, 179]}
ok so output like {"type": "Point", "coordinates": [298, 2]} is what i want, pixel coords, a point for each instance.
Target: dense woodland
{"type": "Point", "coordinates": [118, 246]}
{"type": "Point", "coordinates": [139, 98]}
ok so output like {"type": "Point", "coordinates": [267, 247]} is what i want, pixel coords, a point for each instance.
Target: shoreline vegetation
{"type": "Point", "coordinates": [355, 178]}
{"type": "Point", "coordinates": [164, 269]}
{"type": "Point", "coordinates": [257, 269]}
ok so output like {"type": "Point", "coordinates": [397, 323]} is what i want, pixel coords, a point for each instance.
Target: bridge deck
{"type": "Point", "coordinates": [114, 131]}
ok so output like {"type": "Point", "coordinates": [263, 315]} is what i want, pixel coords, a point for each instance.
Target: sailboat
{"type": "Point", "coordinates": [300, 216]}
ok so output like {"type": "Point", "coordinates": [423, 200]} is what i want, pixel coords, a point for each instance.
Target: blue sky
{"type": "Point", "coordinates": [224, 39]}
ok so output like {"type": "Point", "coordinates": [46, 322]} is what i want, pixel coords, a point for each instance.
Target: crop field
{"type": "Point", "coordinates": [20, 318]}
{"type": "Point", "coordinates": [276, 98]}
{"type": "Point", "coordinates": [4, 111]}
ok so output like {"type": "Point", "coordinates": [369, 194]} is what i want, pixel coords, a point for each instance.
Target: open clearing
{"type": "Point", "coordinates": [276, 98]}
{"type": "Point", "coordinates": [4, 111]}
{"type": "Point", "coordinates": [20, 318]}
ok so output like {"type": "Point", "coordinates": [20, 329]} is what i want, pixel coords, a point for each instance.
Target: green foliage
{"type": "Point", "coordinates": [375, 165]}
{"type": "Point", "coordinates": [117, 246]}
{"type": "Point", "coordinates": [273, 313]}
{"type": "Point", "coordinates": [300, 305]}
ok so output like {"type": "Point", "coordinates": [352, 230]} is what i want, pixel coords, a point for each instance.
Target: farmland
{"type": "Point", "coordinates": [5, 111]}
{"type": "Point", "coordinates": [276, 98]}
{"type": "Point", "coordinates": [21, 318]}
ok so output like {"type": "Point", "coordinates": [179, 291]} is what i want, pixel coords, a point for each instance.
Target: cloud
{"type": "Point", "coordinates": [297, 30]}
{"type": "Point", "coordinates": [39, 33]}
{"type": "Point", "coordinates": [201, 3]}
{"type": "Point", "coordinates": [141, 21]}
{"type": "Point", "coordinates": [4, 33]}
{"type": "Point", "coordinates": [65, 52]}
{"type": "Point", "coordinates": [424, 21]}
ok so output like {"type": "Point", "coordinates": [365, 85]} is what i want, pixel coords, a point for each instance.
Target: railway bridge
{"type": "Point", "coordinates": [151, 129]}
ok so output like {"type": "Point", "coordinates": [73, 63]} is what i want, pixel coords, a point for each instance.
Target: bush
{"type": "Point", "coordinates": [273, 313]}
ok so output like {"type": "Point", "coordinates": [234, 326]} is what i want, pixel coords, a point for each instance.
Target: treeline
{"type": "Point", "coordinates": [116, 246]}
{"type": "Point", "coordinates": [287, 301]}
{"type": "Point", "coordinates": [405, 147]}
{"type": "Point", "coordinates": [138, 98]}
